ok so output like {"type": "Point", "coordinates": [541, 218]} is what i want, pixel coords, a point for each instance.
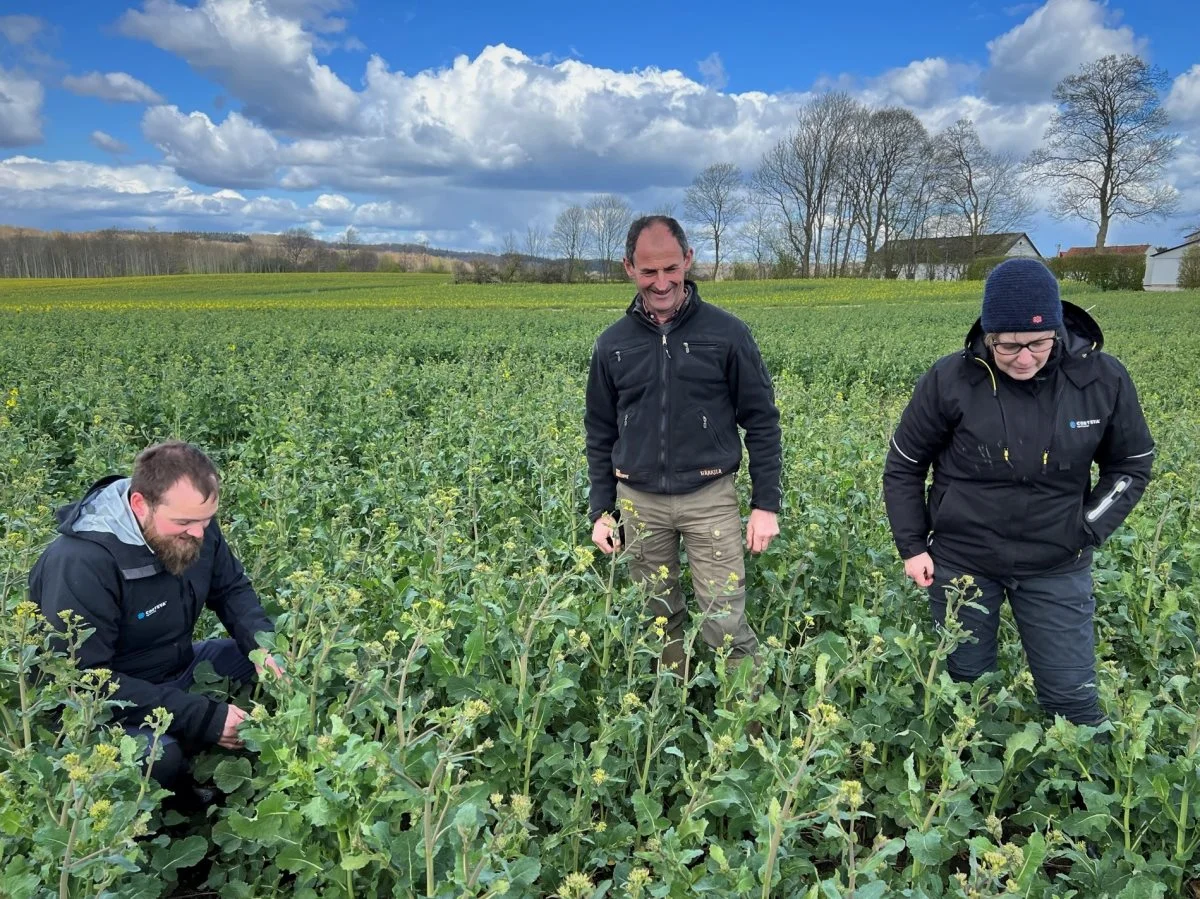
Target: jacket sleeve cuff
{"type": "Point", "coordinates": [908, 549]}
{"type": "Point", "coordinates": [213, 724]}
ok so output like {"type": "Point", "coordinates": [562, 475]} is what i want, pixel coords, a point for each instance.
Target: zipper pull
{"type": "Point", "coordinates": [1045, 460]}
{"type": "Point", "coordinates": [704, 418]}
{"type": "Point", "coordinates": [1006, 454]}
{"type": "Point", "coordinates": [618, 355]}
{"type": "Point", "coordinates": [666, 349]}
{"type": "Point", "coordinates": [686, 348]}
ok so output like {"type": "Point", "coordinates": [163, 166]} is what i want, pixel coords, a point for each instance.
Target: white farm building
{"type": "Point", "coordinates": [1162, 268]}
{"type": "Point", "coordinates": [947, 258]}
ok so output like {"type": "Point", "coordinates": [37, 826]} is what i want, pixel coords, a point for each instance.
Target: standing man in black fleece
{"type": "Point", "coordinates": [1011, 425]}
{"type": "Point", "coordinates": [669, 385]}
{"type": "Point", "coordinates": [138, 559]}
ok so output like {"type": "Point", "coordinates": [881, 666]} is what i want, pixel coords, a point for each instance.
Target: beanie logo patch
{"type": "Point", "coordinates": [1037, 319]}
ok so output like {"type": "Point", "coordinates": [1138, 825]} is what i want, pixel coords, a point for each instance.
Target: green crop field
{"type": "Point", "coordinates": [472, 707]}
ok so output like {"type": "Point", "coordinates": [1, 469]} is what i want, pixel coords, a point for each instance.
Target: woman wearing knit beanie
{"type": "Point", "coordinates": [1011, 425]}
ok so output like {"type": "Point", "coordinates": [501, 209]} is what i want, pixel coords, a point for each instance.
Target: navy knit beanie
{"type": "Point", "coordinates": [1021, 294]}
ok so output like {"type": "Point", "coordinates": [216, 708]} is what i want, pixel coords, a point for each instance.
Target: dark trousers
{"type": "Point", "coordinates": [227, 661]}
{"type": "Point", "coordinates": [1054, 616]}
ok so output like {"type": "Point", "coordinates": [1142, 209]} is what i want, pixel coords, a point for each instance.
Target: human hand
{"type": "Point", "coordinates": [761, 529]}
{"type": "Point", "coordinates": [920, 569]}
{"type": "Point", "coordinates": [605, 534]}
{"type": "Point", "coordinates": [229, 735]}
{"type": "Point", "coordinates": [269, 663]}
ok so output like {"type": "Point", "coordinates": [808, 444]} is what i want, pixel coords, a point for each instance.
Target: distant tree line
{"type": "Point", "coordinates": [116, 253]}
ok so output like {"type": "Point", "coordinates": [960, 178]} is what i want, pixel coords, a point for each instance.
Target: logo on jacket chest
{"type": "Point", "coordinates": [150, 611]}
{"type": "Point", "coordinates": [1079, 424]}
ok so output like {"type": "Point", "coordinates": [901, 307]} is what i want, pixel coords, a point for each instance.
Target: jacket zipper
{"type": "Point", "coordinates": [662, 424]}
{"type": "Point", "coordinates": [1000, 403]}
{"type": "Point", "coordinates": [1062, 388]}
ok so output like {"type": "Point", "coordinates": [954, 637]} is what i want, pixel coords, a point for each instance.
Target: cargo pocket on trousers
{"type": "Point", "coordinates": [718, 561]}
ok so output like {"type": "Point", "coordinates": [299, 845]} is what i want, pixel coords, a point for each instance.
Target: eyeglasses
{"type": "Point", "coordinates": [1011, 348]}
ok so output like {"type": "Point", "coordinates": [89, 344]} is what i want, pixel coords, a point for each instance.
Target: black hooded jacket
{"type": "Point", "coordinates": [1012, 492]}
{"type": "Point", "coordinates": [664, 406]}
{"type": "Point", "coordinates": [144, 616]}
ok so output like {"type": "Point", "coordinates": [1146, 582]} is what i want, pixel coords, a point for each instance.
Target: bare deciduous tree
{"type": "Point", "coordinates": [510, 258]}
{"type": "Point", "coordinates": [568, 238]}
{"type": "Point", "coordinates": [758, 237]}
{"type": "Point", "coordinates": [799, 175]}
{"type": "Point", "coordinates": [980, 191]}
{"type": "Point", "coordinates": [535, 242]}
{"type": "Point", "coordinates": [713, 202]}
{"type": "Point", "coordinates": [608, 218]}
{"type": "Point", "coordinates": [297, 242]}
{"type": "Point", "coordinates": [890, 145]}
{"type": "Point", "coordinates": [1107, 146]}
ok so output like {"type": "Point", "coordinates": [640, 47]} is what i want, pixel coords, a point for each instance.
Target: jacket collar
{"type": "Point", "coordinates": [1080, 339]}
{"type": "Point", "coordinates": [134, 561]}
{"type": "Point", "coordinates": [690, 304]}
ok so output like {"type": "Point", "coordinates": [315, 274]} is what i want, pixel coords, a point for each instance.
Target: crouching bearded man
{"type": "Point", "coordinates": [138, 559]}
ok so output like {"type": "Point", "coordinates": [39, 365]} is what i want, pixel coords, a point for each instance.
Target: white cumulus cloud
{"type": "Point", "coordinates": [234, 153]}
{"type": "Point", "coordinates": [265, 59]}
{"type": "Point", "coordinates": [20, 29]}
{"type": "Point", "coordinates": [108, 143]}
{"type": "Point", "coordinates": [1183, 101]}
{"type": "Point", "coordinates": [1026, 62]}
{"type": "Point", "coordinates": [20, 109]}
{"type": "Point", "coordinates": [118, 87]}
{"type": "Point", "coordinates": [921, 83]}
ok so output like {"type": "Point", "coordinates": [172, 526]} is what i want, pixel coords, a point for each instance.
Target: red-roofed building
{"type": "Point", "coordinates": [1139, 249]}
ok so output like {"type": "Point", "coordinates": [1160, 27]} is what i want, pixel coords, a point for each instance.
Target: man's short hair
{"type": "Point", "coordinates": [641, 224]}
{"type": "Point", "coordinates": [158, 468]}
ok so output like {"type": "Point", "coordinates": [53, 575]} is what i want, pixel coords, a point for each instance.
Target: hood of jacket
{"type": "Point", "coordinates": [104, 516]}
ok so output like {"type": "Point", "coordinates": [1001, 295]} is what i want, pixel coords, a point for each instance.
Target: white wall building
{"type": "Point", "coordinates": [1162, 268]}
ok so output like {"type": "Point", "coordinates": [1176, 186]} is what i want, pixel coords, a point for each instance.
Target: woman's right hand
{"type": "Point", "coordinates": [920, 569]}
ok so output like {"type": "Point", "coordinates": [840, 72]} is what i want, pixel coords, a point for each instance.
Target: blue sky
{"type": "Point", "coordinates": [458, 122]}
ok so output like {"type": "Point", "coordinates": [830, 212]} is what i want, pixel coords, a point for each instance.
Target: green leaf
{"type": "Point", "coordinates": [914, 785]}
{"type": "Point", "coordinates": [1035, 854]}
{"type": "Point", "coordinates": [524, 871]}
{"type": "Point", "coordinates": [354, 862]}
{"type": "Point", "coordinates": [928, 848]}
{"type": "Point", "coordinates": [318, 811]}
{"type": "Point", "coordinates": [232, 773]}
{"type": "Point", "coordinates": [473, 649]}
{"type": "Point", "coordinates": [181, 853]}
{"type": "Point", "coordinates": [18, 882]}
{"type": "Point", "coordinates": [1086, 824]}
{"type": "Point", "coordinates": [718, 855]}
{"type": "Point", "coordinates": [266, 825]}
{"type": "Point", "coordinates": [1142, 887]}
{"type": "Point", "coordinates": [467, 816]}
{"type": "Point", "coordinates": [648, 810]}
{"type": "Point", "coordinates": [874, 890]}
{"type": "Point", "coordinates": [1027, 739]}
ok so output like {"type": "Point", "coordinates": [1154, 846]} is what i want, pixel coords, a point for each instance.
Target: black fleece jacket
{"type": "Point", "coordinates": [664, 405]}
{"type": "Point", "coordinates": [1012, 490]}
{"type": "Point", "coordinates": [144, 616]}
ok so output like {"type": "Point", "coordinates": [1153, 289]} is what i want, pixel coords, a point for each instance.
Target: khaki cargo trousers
{"type": "Point", "coordinates": [710, 524]}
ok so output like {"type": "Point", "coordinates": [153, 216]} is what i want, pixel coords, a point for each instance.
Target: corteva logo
{"type": "Point", "coordinates": [1075, 425]}
{"type": "Point", "coordinates": [151, 611]}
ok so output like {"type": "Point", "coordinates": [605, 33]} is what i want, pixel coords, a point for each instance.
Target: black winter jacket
{"type": "Point", "coordinates": [664, 406]}
{"type": "Point", "coordinates": [1012, 490]}
{"type": "Point", "coordinates": [144, 616]}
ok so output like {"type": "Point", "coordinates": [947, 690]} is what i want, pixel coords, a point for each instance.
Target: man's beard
{"type": "Point", "coordinates": [176, 553]}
